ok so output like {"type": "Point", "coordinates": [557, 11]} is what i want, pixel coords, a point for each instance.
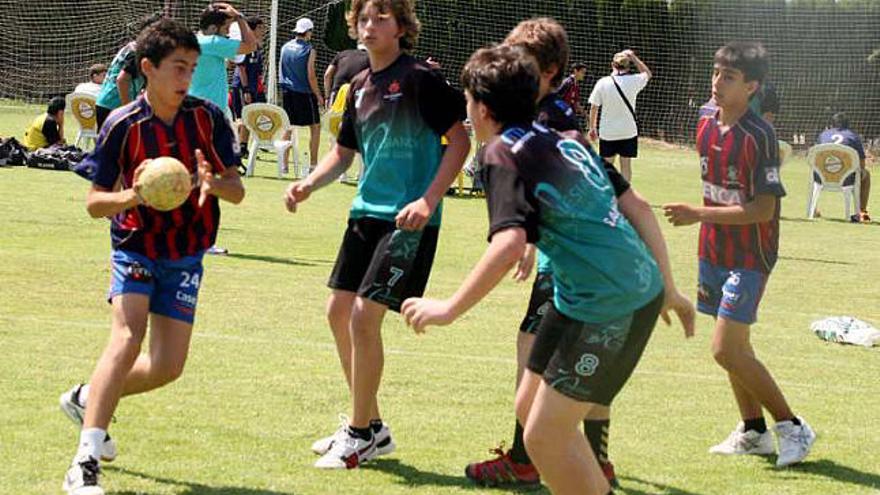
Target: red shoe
{"type": "Point", "coordinates": [608, 471]}
{"type": "Point", "coordinates": [502, 470]}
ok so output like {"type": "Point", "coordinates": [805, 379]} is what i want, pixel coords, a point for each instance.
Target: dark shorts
{"type": "Point", "coordinates": [590, 362]}
{"type": "Point", "coordinates": [628, 148]}
{"type": "Point", "coordinates": [540, 302]}
{"type": "Point", "coordinates": [101, 114]}
{"type": "Point", "coordinates": [171, 285]}
{"type": "Point", "coordinates": [301, 108]}
{"type": "Point", "coordinates": [730, 293]}
{"type": "Point", "coordinates": [381, 263]}
{"type": "Point", "coordinates": [236, 101]}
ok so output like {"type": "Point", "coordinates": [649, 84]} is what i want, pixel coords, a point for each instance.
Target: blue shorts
{"type": "Point", "coordinates": [171, 285]}
{"type": "Point", "coordinates": [731, 293]}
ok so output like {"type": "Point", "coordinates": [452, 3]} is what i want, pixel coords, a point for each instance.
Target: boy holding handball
{"type": "Point", "coordinates": [156, 256]}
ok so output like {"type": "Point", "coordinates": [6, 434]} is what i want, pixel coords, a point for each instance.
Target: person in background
{"type": "Point", "coordinates": [97, 72]}
{"type": "Point", "coordinates": [47, 129]}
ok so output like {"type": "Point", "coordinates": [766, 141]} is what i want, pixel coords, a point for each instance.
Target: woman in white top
{"type": "Point", "coordinates": [615, 94]}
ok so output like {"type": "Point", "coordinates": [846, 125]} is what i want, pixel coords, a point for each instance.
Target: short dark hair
{"type": "Point", "coordinates": [96, 69]}
{"type": "Point", "coordinates": [749, 57]}
{"type": "Point", "coordinates": [505, 78]}
{"type": "Point", "coordinates": [840, 120]}
{"type": "Point", "coordinates": [56, 104]}
{"type": "Point", "coordinates": [254, 21]}
{"type": "Point", "coordinates": [544, 39]}
{"type": "Point", "coordinates": [578, 66]}
{"type": "Point", "coordinates": [161, 38]}
{"type": "Point", "coordinates": [212, 16]}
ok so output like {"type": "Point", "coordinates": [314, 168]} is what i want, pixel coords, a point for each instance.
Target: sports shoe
{"type": "Point", "coordinates": [502, 471]}
{"type": "Point", "coordinates": [384, 443]}
{"type": "Point", "coordinates": [72, 408]}
{"type": "Point", "coordinates": [741, 442]}
{"type": "Point", "coordinates": [348, 453]}
{"type": "Point", "coordinates": [217, 251]}
{"type": "Point", "coordinates": [82, 477]}
{"type": "Point", "coordinates": [608, 471]}
{"type": "Point", "coordinates": [794, 442]}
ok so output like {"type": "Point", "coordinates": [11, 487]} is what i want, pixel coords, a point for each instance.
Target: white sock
{"type": "Point", "coordinates": [91, 441]}
{"type": "Point", "coordinates": [83, 394]}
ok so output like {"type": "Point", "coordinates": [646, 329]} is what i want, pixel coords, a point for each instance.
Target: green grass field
{"type": "Point", "coordinates": [263, 381]}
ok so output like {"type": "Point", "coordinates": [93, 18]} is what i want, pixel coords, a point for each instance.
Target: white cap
{"type": "Point", "coordinates": [303, 25]}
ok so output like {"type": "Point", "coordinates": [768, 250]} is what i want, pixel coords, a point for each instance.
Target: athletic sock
{"type": "Point", "coordinates": [596, 432]}
{"type": "Point", "coordinates": [756, 424]}
{"type": "Point", "coordinates": [362, 433]}
{"type": "Point", "coordinates": [518, 451]}
{"type": "Point", "coordinates": [376, 425]}
{"type": "Point", "coordinates": [90, 442]}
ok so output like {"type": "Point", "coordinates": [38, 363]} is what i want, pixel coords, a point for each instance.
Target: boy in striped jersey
{"type": "Point", "coordinates": [739, 239]}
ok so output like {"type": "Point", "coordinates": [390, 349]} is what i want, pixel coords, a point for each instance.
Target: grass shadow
{"type": "Point", "coordinates": [278, 260]}
{"type": "Point", "coordinates": [834, 471]}
{"type": "Point", "coordinates": [413, 477]}
{"type": "Point", "coordinates": [191, 488]}
{"type": "Point", "coordinates": [816, 260]}
{"type": "Point", "coordinates": [661, 488]}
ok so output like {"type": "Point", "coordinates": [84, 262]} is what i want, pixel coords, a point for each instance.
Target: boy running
{"type": "Point", "coordinates": [739, 241]}
{"type": "Point", "coordinates": [156, 260]}
{"type": "Point", "coordinates": [545, 40]}
{"type": "Point", "coordinates": [546, 188]}
{"type": "Point", "coordinates": [397, 111]}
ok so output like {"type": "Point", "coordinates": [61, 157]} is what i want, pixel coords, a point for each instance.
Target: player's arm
{"type": "Point", "coordinates": [761, 209]}
{"type": "Point", "coordinates": [594, 121]}
{"type": "Point", "coordinates": [107, 202]}
{"type": "Point", "coordinates": [313, 78]}
{"type": "Point", "coordinates": [504, 251]}
{"type": "Point", "coordinates": [643, 68]}
{"type": "Point", "coordinates": [639, 214]}
{"type": "Point", "coordinates": [328, 81]}
{"type": "Point", "coordinates": [415, 215]}
{"type": "Point", "coordinates": [248, 38]}
{"type": "Point", "coordinates": [328, 170]}
{"type": "Point", "coordinates": [123, 83]}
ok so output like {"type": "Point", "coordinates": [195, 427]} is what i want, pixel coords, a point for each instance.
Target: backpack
{"type": "Point", "coordinates": [12, 152]}
{"type": "Point", "coordinates": [55, 158]}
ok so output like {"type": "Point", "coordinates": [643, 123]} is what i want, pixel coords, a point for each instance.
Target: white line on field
{"type": "Point", "coordinates": [330, 347]}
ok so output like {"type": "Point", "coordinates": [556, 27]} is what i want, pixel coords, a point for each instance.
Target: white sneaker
{"type": "Point", "coordinates": [71, 407]}
{"type": "Point", "coordinates": [348, 453]}
{"type": "Point", "coordinates": [384, 443]}
{"type": "Point", "coordinates": [794, 442]}
{"type": "Point", "coordinates": [741, 442]}
{"type": "Point", "coordinates": [82, 477]}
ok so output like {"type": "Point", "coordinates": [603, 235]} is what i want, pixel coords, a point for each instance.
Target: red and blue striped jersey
{"type": "Point", "coordinates": [737, 165]}
{"type": "Point", "coordinates": [132, 134]}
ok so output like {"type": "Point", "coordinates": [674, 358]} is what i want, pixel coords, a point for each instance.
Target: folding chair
{"type": "Point", "coordinates": [267, 124]}
{"type": "Point", "coordinates": [834, 167]}
{"type": "Point", "coordinates": [82, 106]}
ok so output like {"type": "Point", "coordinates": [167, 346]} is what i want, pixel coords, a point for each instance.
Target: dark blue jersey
{"type": "Point", "coordinates": [845, 137]}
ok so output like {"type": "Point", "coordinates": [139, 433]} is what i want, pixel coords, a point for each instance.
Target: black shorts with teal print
{"type": "Point", "coordinates": [591, 362]}
{"type": "Point", "coordinates": [540, 302]}
{"type": "Point", "coordinates": [379, 262]}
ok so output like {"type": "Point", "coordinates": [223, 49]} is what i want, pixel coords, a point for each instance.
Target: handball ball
{"type": "Point", "coordinates": [165, 183]}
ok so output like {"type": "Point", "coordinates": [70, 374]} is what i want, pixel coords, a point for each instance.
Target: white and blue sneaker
{"type": "Point", "coordinates": [348, 452]}
{"type": "Point", "coordinates": [82, 477]}
{"type": "Point", "coordinates": [384, 443]}
{"type": "Point", "coordinates": [742, 442]}
{"type": "Point", "coordinates": [795, 441]}
{"type": "Point", "coordinates": [73, 409]}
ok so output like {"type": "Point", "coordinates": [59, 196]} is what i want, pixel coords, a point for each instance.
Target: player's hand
{"type": "Point", "coordinates": [420, 312]}
{"type": "Point", "coordinates": [227, 9]}
{"type": "Point", "coordinates": [594, 136]}
{"type": "Point", "coordinates": [296, 193]}
{"type": "Point", "coordinates": [206, 178]}
{"type": "Point", "coordinates": [432, 63]}
{"type": "Point", "coordinates": [415, 215]}
{"type": "Point", "coordinates": [248, 98]}
{"type": "Point", "coordinates": [137, 174]}
{"type": "Point", "coordinates": [320, 101]}
{"type": "Point", "coordinates": [675, 301]}
{"type": "Point", "coordinates": [629, 53]}
{"type": "Point", "coordinates": [680, 214]}
{"type": "Point", "coordinates": [526, 263]}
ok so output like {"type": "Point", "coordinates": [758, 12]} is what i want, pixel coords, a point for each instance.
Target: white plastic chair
{"type": "Point", "coordinates": [832, 167]}
{"type": "Point", "coordinates": [267, 124]}
{"type": "Point", "coordinates": [83, 108]}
